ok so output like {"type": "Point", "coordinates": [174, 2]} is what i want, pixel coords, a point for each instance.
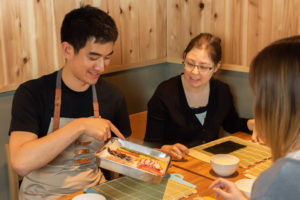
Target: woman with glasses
{"type": "Point", "coordinates": [189, 109]}
{"type": "Point", "coordinates": [275, 79]}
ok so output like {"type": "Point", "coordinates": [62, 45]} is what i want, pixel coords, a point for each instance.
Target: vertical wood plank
{"type": "Point", "coordinates": [259, 26]}
{"type": "Point", "coordinates": [234, 32]}
{"type": "Point", "coordinates": [254, 28]}
{"type": "Point", "coordinates": [244, 32]}
{"type": "Point", "coordinates": [129, 26]}
{"type": "Point", "coordinates": [29, 20]}
{"type": "Point", "coordinates": [207, 17]}
{"type": "Point", "coordinates": [147, 29]}
{"type": "Point", "coordinates": [285, 18]}
{"type": "Point", "coordinates": [218, 22]}
{"type": "Point", "coordinates": [264, 21]}
{"type": "Point", "coordinates": [3, 65]}
{"type": "Point", "coordinates": [199, 10]}
{"type": "Point", "coordinates": [45, 37]}
{"type": "Point", "coordinates": [16, 41]}
{"type": "Point", "coordinates": [161, 29]}
{"type": "Point", "coordinates": [178, 25]}
{"type": "Point", "coordinates": [218, 18]}
{"type": "Point", "coordinates": [114, 11]}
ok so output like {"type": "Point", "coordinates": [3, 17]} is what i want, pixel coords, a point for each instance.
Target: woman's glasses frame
{"type": "Point", "coordinates": [191, 66]}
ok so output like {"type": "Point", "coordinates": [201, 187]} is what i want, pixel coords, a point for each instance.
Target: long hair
{"type": "Point", "coordinates": [275, 80]}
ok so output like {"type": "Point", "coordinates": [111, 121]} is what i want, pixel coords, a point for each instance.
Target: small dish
{"type": "Point", "coordinates": [89, 196]}
{"type": "Point", "coordinates": [224, 164]}
{"type": "Point", "coordinates": [245, 185]}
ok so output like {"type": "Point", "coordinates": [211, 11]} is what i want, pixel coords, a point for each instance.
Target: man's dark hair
{"type": "Point", "coordinates": [86, 23]}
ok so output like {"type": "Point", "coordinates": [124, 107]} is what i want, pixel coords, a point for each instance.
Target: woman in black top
{"type": "Point", "coordinates": [189, 109]}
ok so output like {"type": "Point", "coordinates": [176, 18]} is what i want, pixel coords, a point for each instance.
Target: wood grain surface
{"type": "Point", "coordinates": [150, 31]}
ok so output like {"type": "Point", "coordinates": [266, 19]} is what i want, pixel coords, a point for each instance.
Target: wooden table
{"type": "Point", "coordinates": [196, 172]}
{"type": "Point", "coordinates": [204, 168]}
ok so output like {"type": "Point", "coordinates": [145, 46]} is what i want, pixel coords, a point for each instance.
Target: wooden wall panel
{"type": "Point", "coordinates": [129, 24]}
{"type": "Point", "coordinates": [234, 35]}
{"type": "Point", "coordinates": [270, 20]}
{"type": "Point", "coordinates": [161, 29]}
{"type": "Point", "coordinates": [151, 26]}
{"type": "Point", "coordinates": [245, 26]}
{"type": "Point", "coordinates": [147, 29]}
{"type": "Point", "coordinates": [285, 18]}
{"type": "Point", "coordinates": [218, 19]}
{"type": "Point", "coordinates": [46, 39]}
{"type": "Point", "coordinates": [178, 26]}
{"type": "Point", "coordinates": [30, 36]}
{"type": "Point", "coordinates": [16, 41]}
{"type": "Point", "coordinates": [3, 79]}
{"type": "Point", "coordinates": [188, 18]}
{"type": "Point", "coordinates": [260, 20]}
{"type": "Point", "coordinates": [150, 31]}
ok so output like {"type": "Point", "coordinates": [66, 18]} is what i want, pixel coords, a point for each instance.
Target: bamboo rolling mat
{"type": "Point", "coordinates": [248, 152]}
{"type": "Point", "coordinates": [126, 188]}
{"type": "Point", "coordinates": [255, 171]}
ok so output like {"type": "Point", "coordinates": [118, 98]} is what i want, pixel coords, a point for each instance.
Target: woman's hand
{"type": "Point", "coordinates": [176, 151]}
{"type": "Point", "coordinates": [227, 190]}
{"type": "Point", "coordinates": [251, 126]}
{"type": "Point", "coordinates": [255, 137]}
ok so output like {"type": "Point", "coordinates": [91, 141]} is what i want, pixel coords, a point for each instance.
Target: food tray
{"type": "Point", "coordinates": [122, 167]}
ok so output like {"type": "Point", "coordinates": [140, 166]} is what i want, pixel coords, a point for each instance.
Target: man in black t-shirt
{"type": "Point", "coordinates": [60, 119]}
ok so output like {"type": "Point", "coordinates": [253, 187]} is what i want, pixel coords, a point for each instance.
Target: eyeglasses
{"type": "Point", "coordinates": [190, 66]}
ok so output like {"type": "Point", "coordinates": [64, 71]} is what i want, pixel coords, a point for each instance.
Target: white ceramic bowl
{"type": "Point", "coordinates": [245, 185]}
{"type": "Point", "coordinates": [224, 164]}
{"type": "Point", "coordinates": [89, 196]}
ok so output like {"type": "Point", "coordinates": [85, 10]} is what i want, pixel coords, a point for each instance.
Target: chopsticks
{"type": "Point", "coordinates": [193, 172]}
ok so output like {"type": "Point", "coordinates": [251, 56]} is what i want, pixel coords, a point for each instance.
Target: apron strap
{"type": "Point", "coordinates": [95, 103]}
{"type": "Point", "coordinates": [57, 101]}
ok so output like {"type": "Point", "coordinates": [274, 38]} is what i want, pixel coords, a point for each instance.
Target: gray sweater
{"type": "Point", "coordinates": [281, 181]}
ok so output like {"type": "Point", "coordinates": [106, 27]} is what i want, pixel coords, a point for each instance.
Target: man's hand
{"type": "Point", "coordinates": [99, 128]}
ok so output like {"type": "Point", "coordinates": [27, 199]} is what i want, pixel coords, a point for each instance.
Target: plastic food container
{"type": "Point", "coordinates": [133, 160]}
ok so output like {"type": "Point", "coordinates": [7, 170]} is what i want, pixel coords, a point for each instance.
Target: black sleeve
{"type": "Point", "coordinates": [233, 123]}
{"type": "Point", "coordinates": [156, 120]}
{"type": "Point", "coordinates": [121, 119]}
{"type": "Point", "coordinates": [25, 111]}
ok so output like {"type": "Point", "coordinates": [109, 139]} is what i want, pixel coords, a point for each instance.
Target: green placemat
{"type": "Point", "coordinates": [126, 188]}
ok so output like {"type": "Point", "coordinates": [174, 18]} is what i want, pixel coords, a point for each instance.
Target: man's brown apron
{"type": "Point", "coordinates": [73, 169]}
